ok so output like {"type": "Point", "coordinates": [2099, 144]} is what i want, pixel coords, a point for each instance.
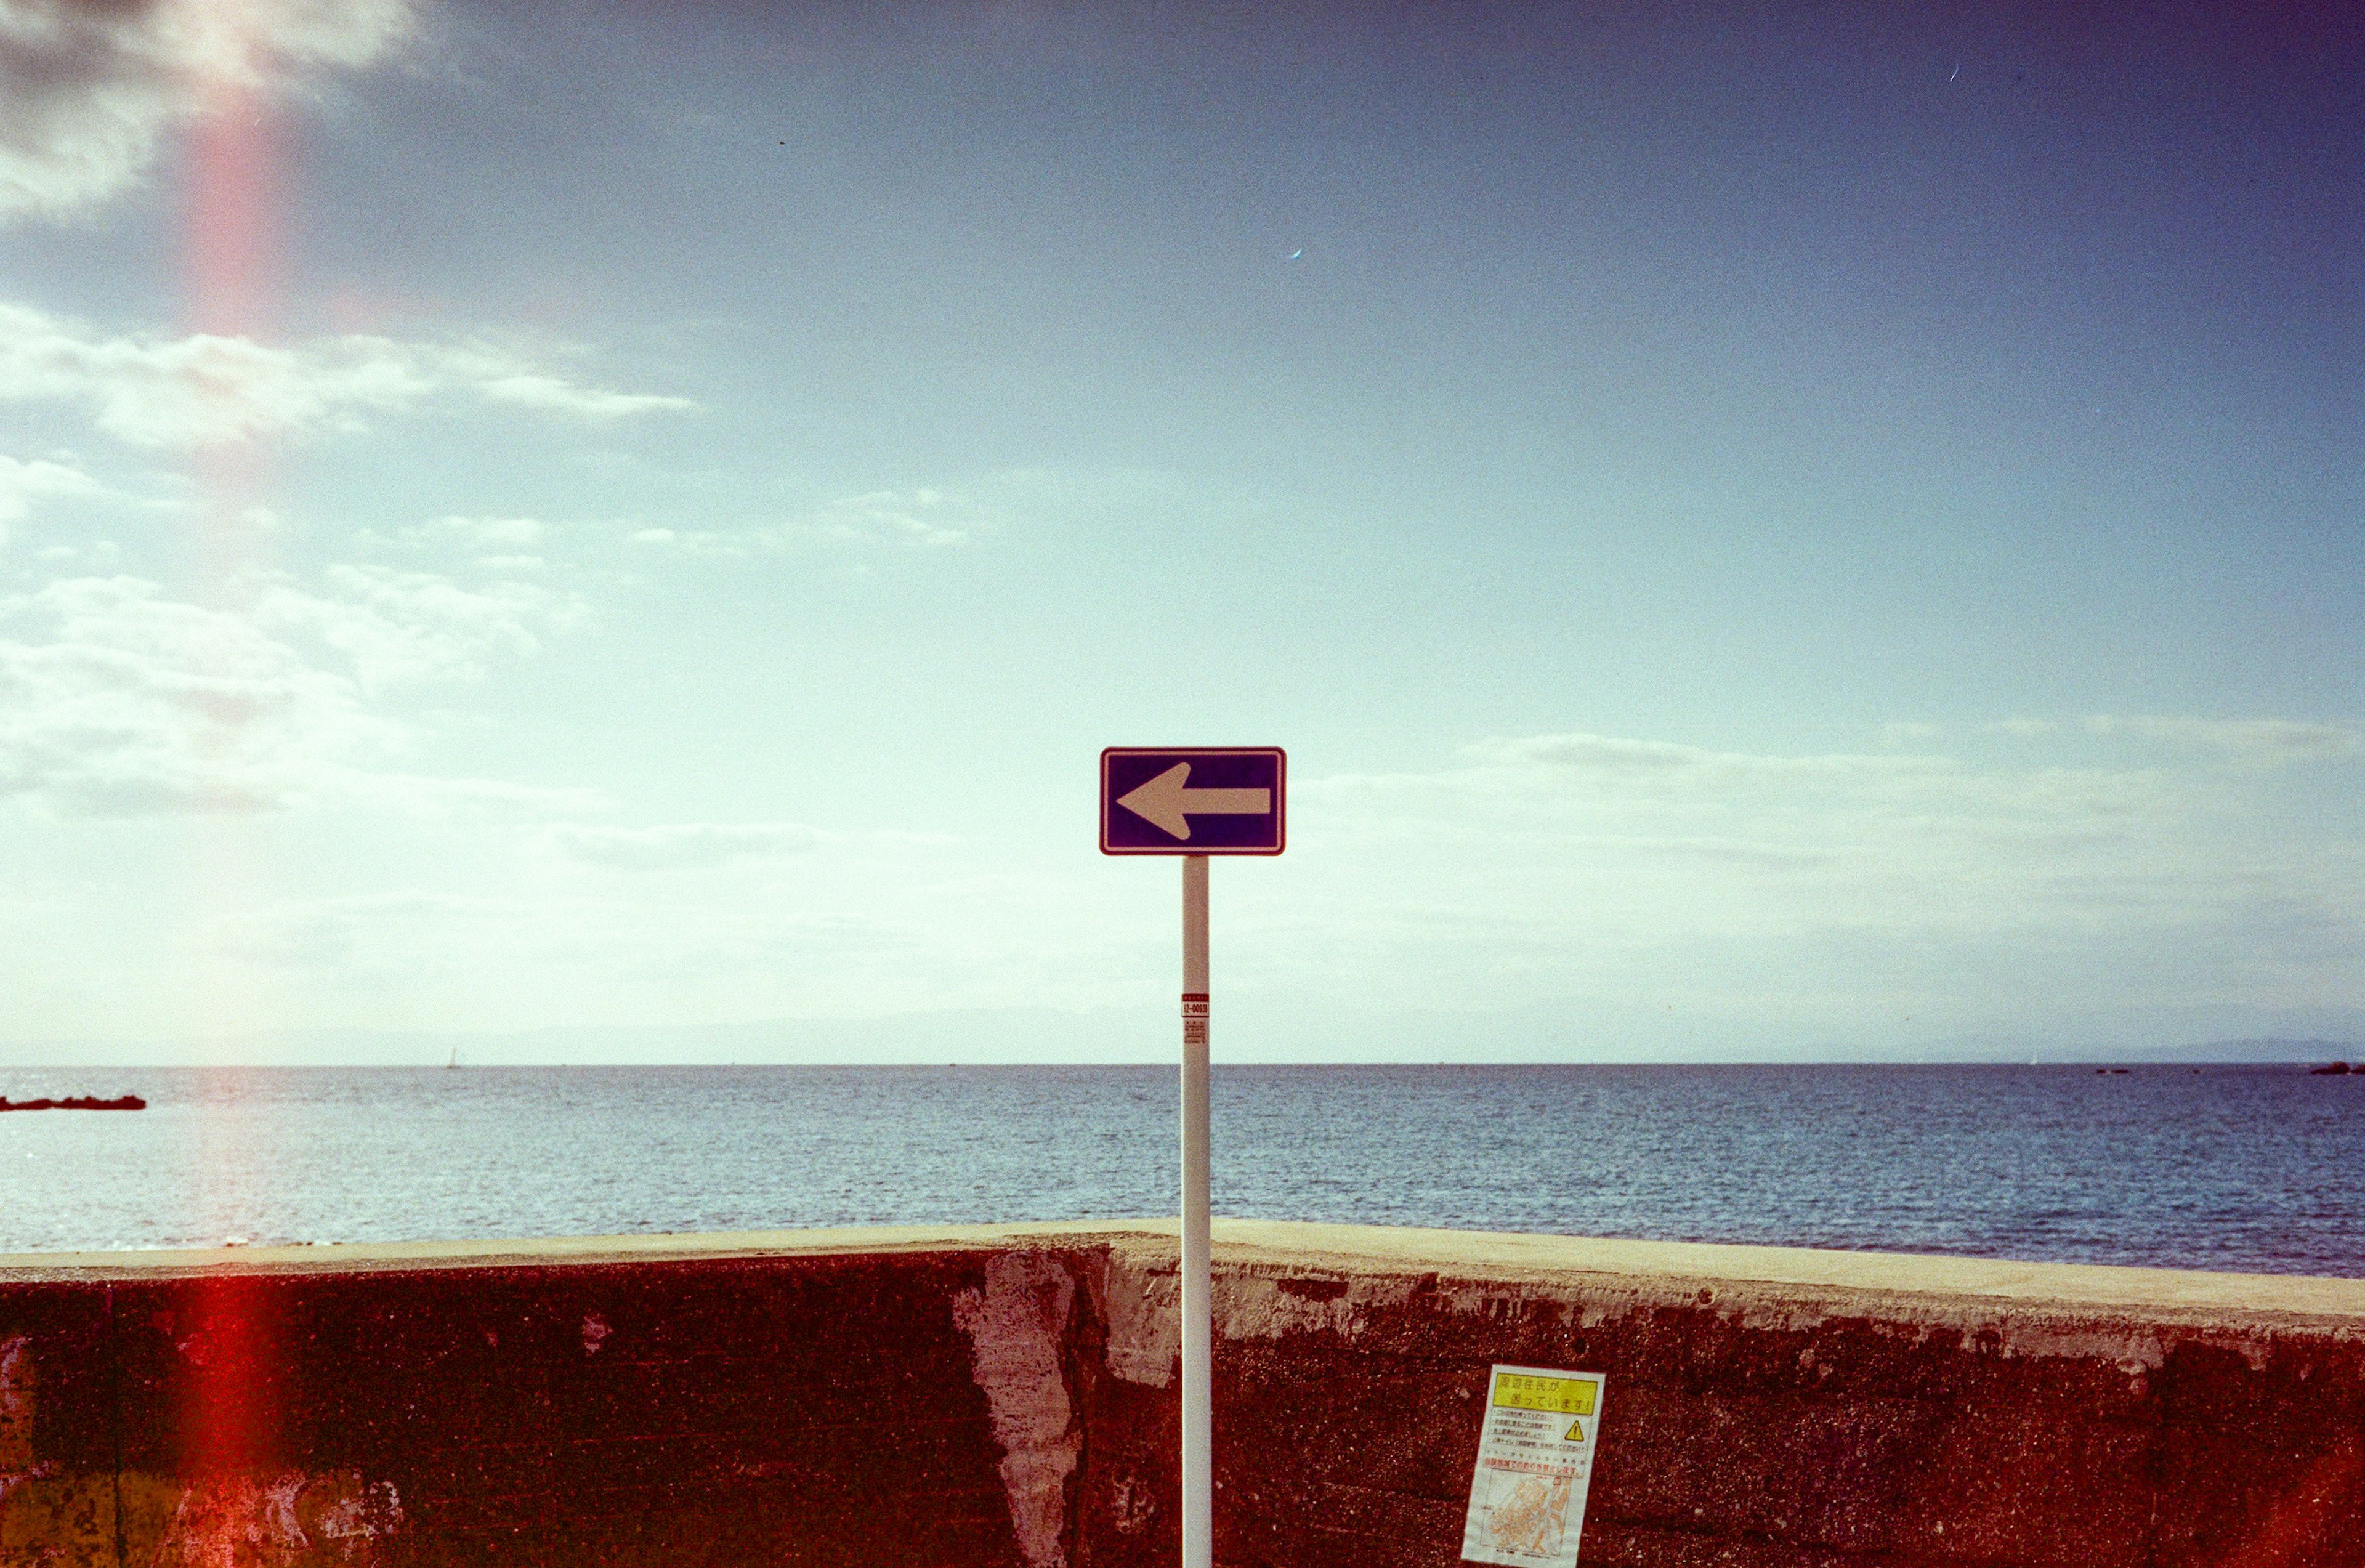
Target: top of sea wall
{"type": "Point", "coordinates": [1777, 1285]}
{"type": "Point", "coordinates": [1488, 1254]}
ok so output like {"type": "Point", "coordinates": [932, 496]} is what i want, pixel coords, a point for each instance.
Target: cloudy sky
{"type": "Point", "coordinates": [1835, 532]}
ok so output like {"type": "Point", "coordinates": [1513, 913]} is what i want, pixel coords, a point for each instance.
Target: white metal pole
{"type": "Point", "coordinates": [1198, 1336]}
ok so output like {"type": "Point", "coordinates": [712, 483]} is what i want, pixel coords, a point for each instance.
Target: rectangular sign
{"type": "Point", "coordinates": [1214, 800]}
{"type": "Point", "coordinates": [1535, 1460]}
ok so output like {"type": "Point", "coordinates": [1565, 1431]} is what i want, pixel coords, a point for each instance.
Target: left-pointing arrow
{"type": "Point", "coordinates": [1166, 802]}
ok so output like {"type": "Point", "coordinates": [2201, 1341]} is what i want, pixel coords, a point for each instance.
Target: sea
{"type": "Point", "coordinates": [2252, 1169]}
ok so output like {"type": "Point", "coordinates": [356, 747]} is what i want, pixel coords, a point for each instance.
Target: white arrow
{"type": "Point", "coordinates": [1164, 803]}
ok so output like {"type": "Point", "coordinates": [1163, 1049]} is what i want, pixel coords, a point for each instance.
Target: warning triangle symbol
{"type": "Point", "coordinates": [1576, 1432]}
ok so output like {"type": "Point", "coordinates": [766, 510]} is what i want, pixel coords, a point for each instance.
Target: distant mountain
{"type": "Point", "coordinates": [2270, 1051]}
{"type": "Point", "coordinates": [1260, 1028]}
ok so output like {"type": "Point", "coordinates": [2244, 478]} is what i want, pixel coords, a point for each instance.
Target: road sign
{"type": "Point", "coordinates": [1217, 800]}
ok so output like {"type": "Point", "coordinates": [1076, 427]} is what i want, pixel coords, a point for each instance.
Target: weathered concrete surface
{"type": "Point", "coordinates": [1005, 1396]}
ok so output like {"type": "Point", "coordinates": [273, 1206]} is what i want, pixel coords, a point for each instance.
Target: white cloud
{"type": "Point", "coordinates": [1606, 882]}
{"type": "Point", "coordinates": [677, 846]}
{"type": "Point", "coordinates": [1666, 764]}
{"type": "Point", "coordinates": [2264, 742]}
{"type": "Point", "coordinates": [400, 628]}
{"type": "Point", "coordinates": [22, 484]}
{"type": "Point", "coordinates": [465, 533]}
{"type": "Point", "coordinates": [87, 88]}
{"type": "Point", "coordinates": [1830, 885]}
{"type": "Point", "coordinates": [344, 933]}
{"type": "Point", "coordinates": [205, 390]}
{"type": "Point", "coordinates": [502, 545]}
{"type": "Point", "coordinates": [117, 699]}
{"type": "Point", "coordinates": [2259, 741]}
{"type": "Point", "coordinates": [555, 394]}
{"type": "Point", "coordinates": [533, 957]}
{"type": "Point", "coordinates": [927, 519]}
{"type": "Point", "coordinates": [507, 532]}
{"type": "Point", "coordinates": [1658, 792]}
{"type": "Point", "coordinates": [915, 517]}
{"type": "Point", "coordinates": [136, 703]}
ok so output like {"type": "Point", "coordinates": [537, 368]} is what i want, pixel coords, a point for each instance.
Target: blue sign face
{"type": "Point", "coordinates": [1222, 801]}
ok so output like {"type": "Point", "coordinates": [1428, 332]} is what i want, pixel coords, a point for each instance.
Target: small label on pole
{"type": "Point", "coordinates": [1535, 1460]}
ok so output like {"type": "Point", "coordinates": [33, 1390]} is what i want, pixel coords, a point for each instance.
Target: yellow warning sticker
{"type": "Point", "coordinates": [1576, 1432]}
{"type": "Point", "coordinates": [1559, 1395]}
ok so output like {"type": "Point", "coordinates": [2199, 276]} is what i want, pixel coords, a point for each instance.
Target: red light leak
{"type": "Point", "coordinates": [234, 200]}
{"type": "Point", "coordinates": [230, 1416]}
{"type": "Point", "coordinates": [232, 246]}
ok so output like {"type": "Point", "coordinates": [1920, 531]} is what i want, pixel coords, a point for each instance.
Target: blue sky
{"type": "Point", "coordinates": [1761, 534]}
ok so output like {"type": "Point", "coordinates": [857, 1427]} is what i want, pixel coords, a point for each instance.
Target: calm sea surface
{"type": "Point", "coordinates": [2225, 1168]}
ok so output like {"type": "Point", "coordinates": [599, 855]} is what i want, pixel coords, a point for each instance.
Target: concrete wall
{"type": "Point", "coordinates": [1005, 1397]}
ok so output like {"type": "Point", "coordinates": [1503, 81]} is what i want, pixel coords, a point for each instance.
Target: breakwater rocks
{"type": "Point", "coordinates": [75, 1103]}
{"type": "Point", "coordinates": [1006, 1397]}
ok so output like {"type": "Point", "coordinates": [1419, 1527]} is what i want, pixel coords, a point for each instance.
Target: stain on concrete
{"type": "Point", "coordinates": [286, 1520]}
{"type": "Point", "coordinates": [1145, 1321]}
{"type": "Point", "coordinates": [16, 1374]}
{"type": "Point", "coordinates": [1015, 1325]}
{"type": "Point", "coordinates": [1259, 1306]}
{"type": "Point", "coordinates": [290, 1520]}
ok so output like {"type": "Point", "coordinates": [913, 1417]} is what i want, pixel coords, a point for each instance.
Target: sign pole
{"type": "Point", "coordinates": [1194, 803]}
{"type": "Point", "coordinates": [1198, 1336]}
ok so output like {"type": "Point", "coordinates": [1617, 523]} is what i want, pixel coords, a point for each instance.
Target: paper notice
{"type": "Point", "coordinates": [1535, 1456]}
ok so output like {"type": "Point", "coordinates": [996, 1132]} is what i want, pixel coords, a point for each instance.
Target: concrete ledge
{"type": "Point", "coordinates": [1004, 1395]}
{"type": "Point", "coordinates": [540, 1251]}
{"type": "Point", "coordinates": [1488, 1254]}
{"type": "Point", "coordinates": [1495, 1255]}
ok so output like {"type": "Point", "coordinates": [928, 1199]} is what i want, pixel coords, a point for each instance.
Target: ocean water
{"type": "Point", "coordinates": [2241, 1168]}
